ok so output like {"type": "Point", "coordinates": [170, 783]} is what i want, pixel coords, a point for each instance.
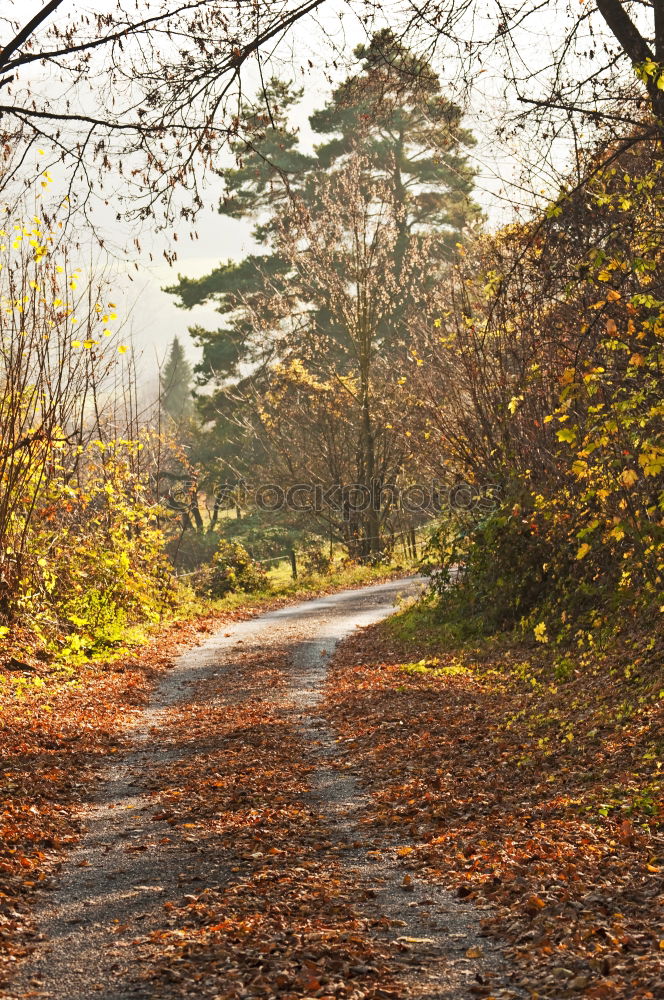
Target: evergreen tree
{"type": "Point", "coordinates": [396, 145]}
{"type": "Point", "coordinates": [175, 384]}
{"type": "Point", "coordinates": [393, 112]}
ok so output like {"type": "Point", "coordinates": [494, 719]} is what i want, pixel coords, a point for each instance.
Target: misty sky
{"type": "Point", "coordinates": [308, 57]}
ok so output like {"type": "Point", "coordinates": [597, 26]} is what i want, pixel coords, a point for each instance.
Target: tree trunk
{"type": "Point", "coordinates": [371, 519]}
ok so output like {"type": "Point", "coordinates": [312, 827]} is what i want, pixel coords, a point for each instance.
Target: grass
{"type": "Point", "coordinates": [282, 589]}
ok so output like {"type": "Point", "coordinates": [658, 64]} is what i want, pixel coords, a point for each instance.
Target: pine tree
{"type": "Point", "coordinates": [395, 144]}
{"type": "Point", "coordinates": [393, 112]}
{"type": "Point", "coordinates": [176, 384]}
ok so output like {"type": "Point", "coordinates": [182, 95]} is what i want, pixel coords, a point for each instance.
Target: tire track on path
{"type": "Point", "coordinates": [122, 889]}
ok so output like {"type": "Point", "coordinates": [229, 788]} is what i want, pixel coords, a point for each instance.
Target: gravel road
{"type": "Point", "coordinates": [129, 864]}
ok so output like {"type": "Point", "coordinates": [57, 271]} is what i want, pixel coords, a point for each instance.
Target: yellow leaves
{"type": "Point", "coordinates": [646, 70]}
{"type": "Point", "coordinates": [122, 349]}
{"type": "Point", "coordinates": [567, 434]}
{"type": "Point", "coordinates": [540, 632]}
{"type": "Point", "coordinates": [580, 468]}
{"type": "Point", "coordinates": [652, 461]}
{"type": "Point", "coordinates": [628, 477]}
{"type": "Point", "coordinates": [583, 550]}
{"type": "Point", "coordinates": [513, 404]}
{"type": "Point", "coordinates": [76, 343]}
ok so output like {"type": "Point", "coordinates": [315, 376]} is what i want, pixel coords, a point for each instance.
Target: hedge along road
{"type": "Point", "coordinates": [227, 854]}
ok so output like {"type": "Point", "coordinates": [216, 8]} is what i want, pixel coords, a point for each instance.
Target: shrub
{"type": "Point", "coordinates": [316, 560]}
{"type": "Point", "coordinates": [232, 569]}
{"type": "Point", "coordinates": [493, 569]}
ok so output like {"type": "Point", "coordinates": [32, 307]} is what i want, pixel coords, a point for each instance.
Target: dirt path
{"type": "Point", "coordinates": [228, 856]}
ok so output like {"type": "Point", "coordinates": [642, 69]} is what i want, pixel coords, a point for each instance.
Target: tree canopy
{"type": "Point", "coordinates": [354, 233]}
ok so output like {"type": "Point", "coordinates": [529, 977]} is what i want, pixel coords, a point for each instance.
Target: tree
{"type": "Point", "coordinates": [140, 102]}
{"type": "Point", "coordinates": [585, 75]}
{"type": "Point", "coordinates": [392, 111]}
{"type": "Point", "coordinates": [175, 382]}
{"type": "Point", "coordinates": [345, 233]}
{"type": "Point", "coordinates": [325, 409]}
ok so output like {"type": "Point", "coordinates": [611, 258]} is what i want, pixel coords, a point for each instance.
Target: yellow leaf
{"type": "Point", "coordinates": [540, 632]}
{"type": "Point", "coordinates": [583, 551]}
{"type": "Point", "coordinates": [628, 477]}
{"type": "Point", "coordinates": [122, 349]}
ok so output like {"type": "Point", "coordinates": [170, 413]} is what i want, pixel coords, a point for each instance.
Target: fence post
{"type": "Point", "coordinates": [293, 563]}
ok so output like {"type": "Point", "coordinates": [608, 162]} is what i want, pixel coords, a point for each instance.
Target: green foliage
{"type": "Point", "coordinates": [316, 560]}
{"type": "Point", "coordinates": [392, 112]}
{"type": "Point", "coordinates": [175, 384]}
{"type": "Point", "coordinates": [553, 387]}
{"type": "Point", "coordinates": [232, 569]}
{"type": "Point", "coordinates": [493, 570]}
